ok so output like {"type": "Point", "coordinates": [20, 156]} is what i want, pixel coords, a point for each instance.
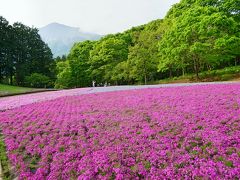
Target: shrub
{"type": "Point", "coordinates": [38, 80]}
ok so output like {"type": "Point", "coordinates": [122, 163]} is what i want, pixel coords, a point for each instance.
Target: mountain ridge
{"type": "Point", "coordinates": [60, 38]}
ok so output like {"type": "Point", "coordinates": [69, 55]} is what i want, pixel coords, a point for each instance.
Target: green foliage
{"type": "Point", "coordinates": [79, 63]}
{"type": "Point", "coordinates": [229, 163]}
{"type": "Point", "coordinates": [105, 56]}
{"type": "Point", "coordinates": [38, 80]}
{"type": "Point", "coordinates": [143, 56]}
{"type": "Point", "coordinates": [147, 165]}
{"type": "Point", "coordinates": [22, 53]}
{"type": "Point", "coordinates": [226, 74]}
{"type": "Point", "coordinates": [64, 75]}
{"type": "Point", "coordinates": [196, 36]}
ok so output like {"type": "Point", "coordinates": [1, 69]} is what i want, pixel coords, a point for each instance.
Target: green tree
{"type": "Point", "coordinates": [22, 53]}
{"type": "Point", "coordinates": [4, 46]}
{"type": "Point", "coordinates": [31, 54]}
{"type": "Point", "coordinates": [79, 63]}
{"type": "Point", "coordinates": [64, 75]}
{"type": "Point", "coordinates": [105, 56]}
{"type": "Point", "coordinates": [143, 55]}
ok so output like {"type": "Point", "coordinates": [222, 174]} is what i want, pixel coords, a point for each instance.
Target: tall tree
{"type": "Point", "coordinates": [79, 63]}
{"type": "Point", "coordinates": [143, 55]}
{"type": "Point", "coordinates": [22, 53]}
{"type": "Point", "coordinates": [105, 56]}
{"type": "Point", "coordinates": [64, 75]}
{"type": "Point", "coordinates": [4, 47]}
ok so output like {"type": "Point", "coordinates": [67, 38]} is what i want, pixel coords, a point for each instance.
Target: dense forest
{"type": "Point", "coordinates": [25, 60]}
{"type": "Point", "coordinates": [195, 36]}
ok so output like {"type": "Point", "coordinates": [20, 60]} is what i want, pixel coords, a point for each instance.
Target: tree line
{"type": "Point", "coordinates": [195, 36]}
{"type": "Point", "coordinates": [25, 60]}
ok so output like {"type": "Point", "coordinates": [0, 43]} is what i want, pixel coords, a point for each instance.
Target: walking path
{"type": "Point", "coordinates": [20, 100]}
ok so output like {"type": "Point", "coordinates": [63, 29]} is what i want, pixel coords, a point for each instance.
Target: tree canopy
{"type": "Point", "coordinates": [195, 36]}
{"type": "Point", "coordinates": [22, 53]}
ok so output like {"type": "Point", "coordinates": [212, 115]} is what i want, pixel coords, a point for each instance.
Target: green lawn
{"type": "Point", "coordinates": [10, 90]}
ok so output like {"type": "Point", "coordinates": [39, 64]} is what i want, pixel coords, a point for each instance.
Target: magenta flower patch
{"type": "Point", "coordinates": [166, 133]}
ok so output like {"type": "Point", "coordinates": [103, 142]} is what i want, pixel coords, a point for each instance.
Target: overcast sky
{"type": "Point", "coordinates": [99, 16]}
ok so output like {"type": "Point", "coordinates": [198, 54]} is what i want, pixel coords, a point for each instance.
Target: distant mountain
{"type": "Point", "coordinates": [61, 38]}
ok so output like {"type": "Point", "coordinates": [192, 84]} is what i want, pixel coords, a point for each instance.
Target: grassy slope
{"type": "Point", "coordinates": [226, 74]}
{"type": "Point", "coordinates": [8, 90]}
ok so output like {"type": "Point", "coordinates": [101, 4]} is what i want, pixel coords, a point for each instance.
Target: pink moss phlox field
{"type": "Point", "coordinates": [17, 101]}
{"type": "Point", "coordinates": [166, 133]}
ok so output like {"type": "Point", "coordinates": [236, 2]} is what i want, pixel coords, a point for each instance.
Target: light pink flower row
{"type": "Point", "coordinates": [17, 101]}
